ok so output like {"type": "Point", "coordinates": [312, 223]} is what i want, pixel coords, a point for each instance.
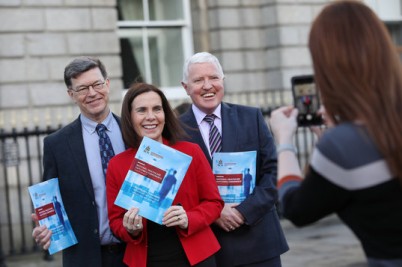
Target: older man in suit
{"type": "Point", "coordinates": [249, 232]}
{"type": "Point", "coordinates": [73, 154]}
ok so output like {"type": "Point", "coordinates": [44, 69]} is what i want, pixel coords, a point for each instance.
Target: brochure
{"type": "Point", "coordinates": [153, 179]}
{"type": "Point", "coordinates": [235, 174]}
{"type": "Point", "coordinates": [50, 210]}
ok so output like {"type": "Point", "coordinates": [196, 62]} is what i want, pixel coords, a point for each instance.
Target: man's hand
{"type": "Point", "coordinates": [41, 234]}
{"type": "Point", "coordinates": [230, 218]}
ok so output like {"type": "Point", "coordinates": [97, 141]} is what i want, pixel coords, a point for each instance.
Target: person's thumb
{"type": "Point", "coordinates": [294, 113]}
{"type": "Point", "coordinates": [35, 219]}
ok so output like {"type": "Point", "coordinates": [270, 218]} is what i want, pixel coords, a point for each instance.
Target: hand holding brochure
{"type": "Point", "coordinates": [49, 208]}
{"type": "Point", "coordinates": [153, 179]}
{"type": "Point", "coordinates": [235, 174]}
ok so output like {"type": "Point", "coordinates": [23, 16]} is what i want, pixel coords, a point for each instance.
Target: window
{"type": "Point", "coordinates": [155, 39]}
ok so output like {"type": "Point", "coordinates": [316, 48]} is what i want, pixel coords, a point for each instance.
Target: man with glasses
{"type": "Point", "coordinates": [78, 155]}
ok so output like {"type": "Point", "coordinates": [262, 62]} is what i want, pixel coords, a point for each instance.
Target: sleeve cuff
{"type": "Point", "coordinates": [288, 178]}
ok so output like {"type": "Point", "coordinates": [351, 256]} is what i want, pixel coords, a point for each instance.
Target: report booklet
{"type": "Point", "coordinates": [50, 210]}
{"type": "Point", "coordinates": [153, 179]}
{"type": "Point", "coordinates": [235, 174]}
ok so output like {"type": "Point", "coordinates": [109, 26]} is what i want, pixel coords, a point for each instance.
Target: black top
{"type": "Point", "coordinates": [350, 177]}
{"type": "Point", "coordinates": [164, 247]}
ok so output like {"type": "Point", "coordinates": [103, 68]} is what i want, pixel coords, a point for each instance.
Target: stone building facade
{"type": "Point", "coordinates": [261, 44]}
{"type": "Point", "coordinates": [37, 39]}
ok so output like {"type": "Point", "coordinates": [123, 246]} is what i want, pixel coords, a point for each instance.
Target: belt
{"type": "Point", "coordinates": [113, 248]}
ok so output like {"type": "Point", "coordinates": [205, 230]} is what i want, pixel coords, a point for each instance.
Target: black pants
{"type": "Point", "coordinates": [112, 255]}
{"type": "Point", "coordinates": [274, 262]}
{"type": "Point", "coordinates": [183, 262]}
{"type": "Point", "coordinates": [208, 262]}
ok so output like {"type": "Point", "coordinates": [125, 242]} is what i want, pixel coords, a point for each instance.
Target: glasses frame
{"type": "Point", "coordinates": [96, 86]}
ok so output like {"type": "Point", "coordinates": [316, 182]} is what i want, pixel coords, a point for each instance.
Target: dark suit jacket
{"type": "Point", "coordinates": [261, 238]}
{"type": "Point", "coordinates": [64, 157]}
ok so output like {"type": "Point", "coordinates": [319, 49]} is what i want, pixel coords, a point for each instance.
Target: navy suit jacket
{"type": "Point", "coordinates": [64, 157]}
{"type": "Point", "coordinates": [261, 237]}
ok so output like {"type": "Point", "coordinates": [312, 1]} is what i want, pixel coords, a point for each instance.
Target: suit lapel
{"type": "Point", "coordinates": [229, 127]}
{"type": "Point", "coordinates": [191, 127]}
{"type": "Point", "coordinates": [76, 143]}
{"type": "Point", "coordinates": [119, 123]}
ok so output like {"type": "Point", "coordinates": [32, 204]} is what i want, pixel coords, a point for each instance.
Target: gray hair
{"type": "Point", "coordinates": [80, 65]}
{"type": "Point", "coordinates": [201, 57]}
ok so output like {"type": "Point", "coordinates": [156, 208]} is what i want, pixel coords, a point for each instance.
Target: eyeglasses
{"type": "Point", "coordinates": [83, 90]}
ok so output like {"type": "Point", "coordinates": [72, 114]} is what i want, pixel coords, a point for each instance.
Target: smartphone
{"type": "Point", "coordinates": [306, 100]}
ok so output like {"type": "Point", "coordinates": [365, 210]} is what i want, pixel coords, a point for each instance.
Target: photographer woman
{"type": "Point", "coordinates": [356, 168]}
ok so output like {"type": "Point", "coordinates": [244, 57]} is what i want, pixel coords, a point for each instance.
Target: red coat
{"type": "Point", "coordinates": [198, 194]}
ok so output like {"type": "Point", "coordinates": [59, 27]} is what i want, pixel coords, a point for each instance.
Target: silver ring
{"type": "Point", "coordinates": [137, 225]}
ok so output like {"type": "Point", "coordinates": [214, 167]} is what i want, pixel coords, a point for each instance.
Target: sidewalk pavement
{"type": "Point", "coordinates": [327, 243]}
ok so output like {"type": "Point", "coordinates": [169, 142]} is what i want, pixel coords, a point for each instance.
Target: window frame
{"type": "Point", "coordinates": [185, 24]}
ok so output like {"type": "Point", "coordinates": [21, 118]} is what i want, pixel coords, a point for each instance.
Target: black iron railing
{"type": "Point", "coordinates": [21, 166]}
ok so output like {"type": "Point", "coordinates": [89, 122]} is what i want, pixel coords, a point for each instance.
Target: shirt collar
{"type": "Point", "coordinates": [200, 115]}
{"type": "Point", "coordinates": [90, 125]}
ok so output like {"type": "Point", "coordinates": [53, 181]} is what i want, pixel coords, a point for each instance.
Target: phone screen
{"type": "Point", "coordinates": [306, 100]}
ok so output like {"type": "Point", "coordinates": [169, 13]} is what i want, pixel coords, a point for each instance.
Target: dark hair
{"type": "Point", "coordinates": [358, 73]}
{"type": "Point", "coordinates": [80, 65]}
{"type": "Point", "coordinates": [172, 131]}
{"type": "Point", "coordinates": [182, 108]}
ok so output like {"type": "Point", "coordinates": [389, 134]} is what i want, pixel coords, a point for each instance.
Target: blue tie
{"type": "Point", "coordinates": [215, 138]}
{"type": "Point", "coordinates": [105, 146]}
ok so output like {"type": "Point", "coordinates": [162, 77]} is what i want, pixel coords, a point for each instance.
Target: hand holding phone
{"type": "Point", "coordinates": [306, 100]}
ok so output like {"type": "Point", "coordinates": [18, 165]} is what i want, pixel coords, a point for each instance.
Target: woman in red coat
{"type": "Point", "coordinates": [185, 238]}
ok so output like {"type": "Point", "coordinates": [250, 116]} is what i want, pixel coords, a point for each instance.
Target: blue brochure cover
{"type": "Point", "coordinates": [235, 174]}
{"type": "Point", "coordinates": [50, 210]}
{"type": "Point", "coordinates": [153, 180]}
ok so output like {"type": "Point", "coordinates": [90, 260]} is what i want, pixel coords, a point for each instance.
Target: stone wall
{"type": "Point", "coordinates": [37, 39]}
{"type": "Point", "coordinates": [260, 43]}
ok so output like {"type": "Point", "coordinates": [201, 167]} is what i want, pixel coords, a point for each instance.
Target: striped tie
{"type": "Point", "coordinates": [105, 146]}
{"type": "Point", "coordinates": [215, 138]}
